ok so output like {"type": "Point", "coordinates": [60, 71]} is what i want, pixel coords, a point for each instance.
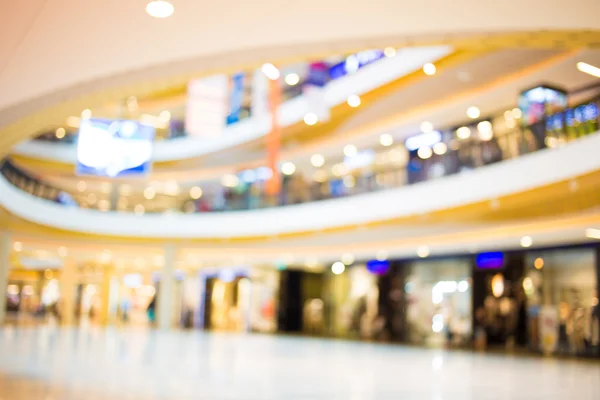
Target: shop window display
{"type": "Point", "coordinates": [438, 296]}
{"type": "Point", "coordinates": [563, 313]}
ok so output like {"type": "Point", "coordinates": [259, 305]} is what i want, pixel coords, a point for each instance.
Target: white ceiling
{"type": "Point", "coordinates": [49, 46]}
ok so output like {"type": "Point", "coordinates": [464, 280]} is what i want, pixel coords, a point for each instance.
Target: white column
{"type": "Point", "coordinates": [4, 265]}
{"type": "Point", "coordinates": [164, 316]}
{"type": "Point", "coordinates": [260, 92]}
{"type": "Point", "coordinates": [105, 314]}
{"type": "Point", "coordinates": [68, 286]}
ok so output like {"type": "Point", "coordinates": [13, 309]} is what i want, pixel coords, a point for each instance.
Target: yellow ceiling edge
{"type": "Point", "coordinates": [54, 115]}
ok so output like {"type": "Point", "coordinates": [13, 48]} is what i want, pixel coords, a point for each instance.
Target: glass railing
{"type": "Point", "coordinates": [453, 151]}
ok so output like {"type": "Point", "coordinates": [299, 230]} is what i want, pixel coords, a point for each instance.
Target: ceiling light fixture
{"type": "Point", "coordinates": [288, 168]}
{"type": "Point", "coordinates": [292, 79]}
{"type": "Point", "coordinates": [429, 69]}
{"type": "Point", "coordinates": [160, 9]}
{"type": "Point", "coordinates": [473, 112]}
{"type": "Point", "coordinates": [311, 119]}
{"type": "Point", "coordinates": [347, 258]}
{"type": "Point", "coordinates": [386, 140]}
{"type": "Point", "coordinates": [424, 152]}
{"type": "Point", "coordinates": [464, 132]}
{"type": "Point", "coordinates": [350, 150]}
{"type": "Point", "coordinates": [338, 268]}
{"type": "Point", "coordinates": [195, 192]}
{"type": "Point", "coordinates": [440, 148]}
{"type": "Point", "coordinates": [60, 133]}
{"type": "Point", "coordinates": [588, 69]}
{"type": "Point", "coordinates": [592, 233]}
{"type": "Point", "coordinates": [526, 241]}
{"type": "Point", "coordinates": [354, 101]}
{"type": "Point", "coordinates": [270, 71]}
{"type": "Point", "coordinates": [423, 251]}
{"type": "Point", "coordinates": [426, 127]}
{"type": "Point", "coordinates": [317, 160]}
{"type": "Point", "coordinates": [389, 52]}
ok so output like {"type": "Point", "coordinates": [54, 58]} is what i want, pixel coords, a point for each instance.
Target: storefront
{"type": "Point", "coordinates": [438, 302]}
{"type": "Point", "coordinates": [561, 288]}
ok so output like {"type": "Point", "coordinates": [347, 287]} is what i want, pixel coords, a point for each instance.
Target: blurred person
{"type": "Point", "coordinates": [151, 310]}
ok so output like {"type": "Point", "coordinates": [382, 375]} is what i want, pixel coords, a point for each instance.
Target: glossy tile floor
{"type": "Point", "coordinates": [70, 364]}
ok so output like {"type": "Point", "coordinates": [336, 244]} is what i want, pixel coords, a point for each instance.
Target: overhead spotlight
{"type": "Point", "coordinates": [317, 160]}
{"type": "Point", "coordinates": [230, 180]}
{"type": "Point", "coordinates": [424, 152]}
{"type": "Point", "coordinates": [486, 132]}
{"type": "Point", "coordinates": [526, 241]}
{"type": "Point", "coordinates": [354, 101]}
{"type": "Point", "coordinates": [440, 148]}
{"type": "Point", "coordinates": [195, 192]}
{"type": "Point", "coordinates": [386, 140]}
{"type": "Point", "coordinates": [292, 79]}
{"type": "Point", "coordinates": [149, 193]}
{"type": "Point", "coordinates": [538, 263]}
{"type": "Point", "coordinates": [311, 119]}
{"type": "Point", "coordinates": [165, 116]}
{"type": "Point", "coordinates": [517, 113]}
{"type": "Point", "coordinates": [86, 114]}
{"type": "Point", "coordinates": [17, 246]}
{"type": "Point", "coordinates": [473, 112]}
{"type": "Point", "coordinates": [139, 209]}
{"type": "Point", "coordinates": [288, 168]}
{"type": "Point", "coordinates": [592, 233]}
{"type": "Point", "coordinates": [426, 127]}
{"type": "Point", "coordinates": [270, 71]}
{"type": "Point", "coordinates": [350, 150]}
{"type": "Point", "coordinates": [338, 268]}
{"type": "Point", "coordinates": [389, 52]}
{"type": "Point", "coordinates": [347, 258]}
{"type": "Point", "coordinates": [588, 69]}
{"type": "Point", "coordinates": [429, 69]}
{"type": "Point", "coordinates": [423, 251]}
{"type": "Point", "coordinates": [160, 9]}
{"type": "Point", "coordinates": [60, 133]}
{"type": "Point", "coordinates": [464, 132]}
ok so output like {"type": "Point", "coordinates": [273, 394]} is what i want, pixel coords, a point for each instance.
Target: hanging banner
{"type": "Point", "coordinates": [274, 139]}
{"type": "Point", "coordinates": [206, 109]}
{"type": "Point", "coordinates": [236, 98]}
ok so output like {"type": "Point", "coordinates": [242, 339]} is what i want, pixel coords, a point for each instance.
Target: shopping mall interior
{"type": "Point", "coordinates": [341, 195]}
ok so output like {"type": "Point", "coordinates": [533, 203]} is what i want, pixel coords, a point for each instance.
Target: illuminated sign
{"type": "Point", "coordinates": [491, 260]}
{"type": "Point", "coordinates": [378, 267]}
{"type": "Point", "coordinates": [355, 62]}
{"type": "Point", "coordinates": [423, 140]}
{"type": "Point", "coordinates": [113, 147]}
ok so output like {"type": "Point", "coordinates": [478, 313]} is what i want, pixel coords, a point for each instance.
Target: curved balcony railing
{"type": "Point", "coordinates": [458, 150]}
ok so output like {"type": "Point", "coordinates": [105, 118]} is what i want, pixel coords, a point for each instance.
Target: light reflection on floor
{"type": "Point", "coordinates": [70, 364]}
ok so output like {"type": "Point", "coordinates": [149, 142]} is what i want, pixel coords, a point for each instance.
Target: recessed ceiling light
{"type": "Point", "coordinates": [440, 148]}
{"type": "Point", "coordinates": [464, 132]}
{"type": "Point", "coordinates": [60, 133]}
{"type": "Point", "coordinates": [195, 192]}
{"type": "Point", "coordinates": [424, 152]}
{"type": "Point", "coordinates": [389, 52]}
{"type": "Point", "coordinates": [473, 112]}
{"type": "Point", "coordinates": [347, 258]}
{"type": "Point", "coordinates": [423, 251]}
{"type": "Point", "coordinates": [386, 140]}
{"type": "Point", "coordinates": [160, 9]}
{"type": "Point", "coordinates": [86, 114]}
{"type": "Point", "coordinates": [270, 71]}
{"type": "Point", "coordinates": [17, 246]}
{"type": "Point", "coordinates": [589, 69]}
{"type": "Point", "coordinates": [338, 268]}
{"type": "Point", "coordinates": [426, 127]}
{"type": "Point", "coordinates": [350, 150]}
{"type": "Point", "coordinates": [317, 160]}
{"type": "Point", "coordinates": [429, 69]}
{"type": "Point", "coordinates": [353, 101]}
{"type": "Point", "coordinates": [592, 233]}
{"type": "Point", "coordinates": [311, 119]}
{"type": "Point", "coordinates": [288, 168]}
{"type": "Point", "coordinates": [292, 79]}
{"type": "Point", "coordinates": [526, 241]}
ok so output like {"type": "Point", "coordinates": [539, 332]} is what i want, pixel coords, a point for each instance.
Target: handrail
{"type": "Point", "coordinates": [458, 156]}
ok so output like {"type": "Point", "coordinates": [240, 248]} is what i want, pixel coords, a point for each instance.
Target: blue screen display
{"type": "Point", "coordinates": [378, 267]}
{"type": "Point", "coordinates": [492, 260]}
{"type": "Point", "coordinates": [114, 147]}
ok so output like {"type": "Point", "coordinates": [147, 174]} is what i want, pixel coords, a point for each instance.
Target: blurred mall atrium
{"type": "Point", "coordinates": [218, 171]}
